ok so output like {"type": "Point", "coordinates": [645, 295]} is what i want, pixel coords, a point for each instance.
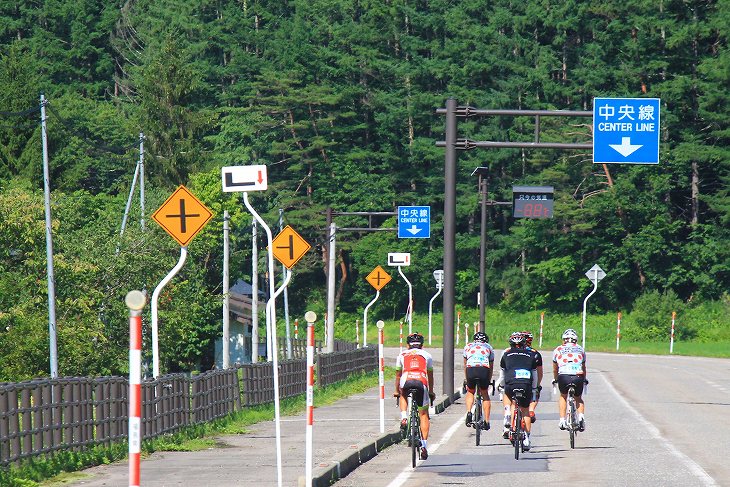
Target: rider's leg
{"type": "Point", "coordinates": [525, 416]}
{"type": "Point", "coordinates": [580, 403]}
{"type": "Point", "coordinates": [486, 407]}
{"type": "Point", "coordinates": [469, 400]}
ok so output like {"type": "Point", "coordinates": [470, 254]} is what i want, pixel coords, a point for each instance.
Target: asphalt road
{"type": "Point", "coordinates": [651, 420]}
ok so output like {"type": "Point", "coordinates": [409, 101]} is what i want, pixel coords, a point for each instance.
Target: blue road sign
{"type": "Point", "coordinates": [414, 221]}
{"type": "Point", "coordinates": [626, 130]}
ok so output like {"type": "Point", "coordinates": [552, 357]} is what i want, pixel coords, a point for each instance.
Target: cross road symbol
{"type": "Point", "coordinates": [378, 278]}
{"type": "Point", "coordinates": [182, 215]}
{"type": "Point", "coordinates": [289, 247]}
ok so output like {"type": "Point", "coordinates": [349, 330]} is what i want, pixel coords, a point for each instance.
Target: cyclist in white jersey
{"type": "Point", "coordinates": [569, 366]}
{"type": "Point", "coordinates": [478, 365]}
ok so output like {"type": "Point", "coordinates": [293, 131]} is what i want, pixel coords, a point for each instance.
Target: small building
{"type": "Point", "coordinates": [240, 325]}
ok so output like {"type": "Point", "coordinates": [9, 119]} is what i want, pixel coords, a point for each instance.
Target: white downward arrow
{"type": "Point", "coordinates": [625, 149]}
{"type": "Point", "coordinates": [414, 229]}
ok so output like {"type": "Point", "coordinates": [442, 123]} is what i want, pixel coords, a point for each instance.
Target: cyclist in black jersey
{"type": "Point", "coordinates": [537, 379]}
{"type": "Point", "coordinates": [519, 365]}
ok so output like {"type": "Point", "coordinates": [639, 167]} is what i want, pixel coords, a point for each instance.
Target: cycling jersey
{"type": "Point", "coordinates": [478, 354]}
{"type": "Point", "coordinates": [414, 364]}
{"type": "Point", "coordinates": [570, 359]}
{"type": "Point", "coordinates": [518, 365]}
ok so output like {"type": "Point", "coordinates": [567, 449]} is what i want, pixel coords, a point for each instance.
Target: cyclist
{"type": "Point", "coordinates": [569, 366]}
{"type": "Point", "coordinates": [414, 370]}
{"type": "Point", "coordinates": [478, 363]}
{"type": "Point", "coordinates": [537, 379]}
{"type": "Point", "coordinates": [519, 365]}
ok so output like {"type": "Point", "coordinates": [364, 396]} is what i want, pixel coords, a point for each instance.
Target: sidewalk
{"type": "Point", "coordinates": [345, 434]}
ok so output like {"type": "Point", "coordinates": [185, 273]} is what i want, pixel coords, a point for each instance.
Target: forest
{"type": "Point", "coordinates": [338, 99]}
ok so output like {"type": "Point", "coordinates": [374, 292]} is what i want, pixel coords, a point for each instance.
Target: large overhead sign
{"type": "Point", "coordinates": [626, 130]}
{"type": "Point", "coordinates": [414, 221]}
{"type": "Point", "coordinates": [244, 178]}
{"type": "Point", "coordinates": [182, 216]}
{"type": "Point", "coordinates": [532, 201]}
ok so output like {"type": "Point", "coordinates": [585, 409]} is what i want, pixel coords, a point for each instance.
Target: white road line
{"type": "Point", "coordinates": [693, 466]}
{"type": "Point", "coordinates": [432, 447]}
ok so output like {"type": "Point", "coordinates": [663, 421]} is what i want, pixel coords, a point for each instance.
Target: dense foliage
{"type": "Point", "coordinates": [338, 99]}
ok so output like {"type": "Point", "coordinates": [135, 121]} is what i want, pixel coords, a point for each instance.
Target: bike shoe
{"type": "Point", "coordinates": [468, 418]}
{"type": "Point", "coordinates": [582, 425]}
{"type": "Point", "coordinates": [505, 434]}
{"type": "Point", "coordinates": [532, 416]}
{"type": "Point", "coordinates": [562, 425]}
{"type": "Point", "coordinates": [424, 454]}
{"type": "Point", "coordinates": [485, 425]}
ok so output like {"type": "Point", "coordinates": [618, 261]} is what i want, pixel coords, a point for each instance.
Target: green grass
{"type": "Point", "coordinates": [59, 469]}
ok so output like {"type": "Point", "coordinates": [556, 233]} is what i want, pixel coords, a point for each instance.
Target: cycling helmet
{"type": "Point", "coordinates": [481, 337]}
{"type": "Point", "coordinates": [570, 335]}
{"type": "Point", "coordinates": [517, 338]}
{"type": "Point", "coordinates": [528, 338]}
{"type": "Point", "coordinates": [415, 340]}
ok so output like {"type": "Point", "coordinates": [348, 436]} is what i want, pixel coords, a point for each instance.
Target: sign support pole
{"type": "Point", "coordinates": [365, 319]}
{"type": "Point", "coordinates": [585, 304]}
{"type": "Point", "coordinates": [226, 298]}
{"type": "Point", "coordinates": [286, 299]}
{"type": "Point", "coordinates": [430, 312]}
{"type": "Point", "coordinates": [254, 294]}
{"type": "Point", "coordinates": [410, 300]}
{"type": "Point", "coordinates": [330, 322]}
{"type": "Point", "coordinates": [155, 299]}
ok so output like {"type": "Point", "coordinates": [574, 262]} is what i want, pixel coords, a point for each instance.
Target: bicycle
{"type": "Point", "coordinates": [413, 430]}
{"type": "Point", "coordinates": [571, 418]}
{"type": "Point", "coordinates": [477, 419]}
{"type": "Point", "coordinates": [517, 425]}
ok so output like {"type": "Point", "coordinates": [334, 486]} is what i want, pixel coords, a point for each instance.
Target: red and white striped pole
{"type": "Point", "coordinates": [618, 330]}
{"type": "Point", "coordinates": [357, 333]}
{"type": "Point", "coordinates": [542, 320]}
{"type": "Point", "coordinates": [381, 373]}
{"type": "Point", "coordinates": [401, 336]}
{"type": "Point", "coordinates": [671, 339]}
{"type": "Point", "coordinates": [325, 328]}
{"type": "Point", "coordinates": [135, 301]}
{"type": "Point", "coordinates": [311, 318]}
{"type": "Point", "coordinates": [296, 329]}
{"type": "Point", "coordinates": [458, 327]}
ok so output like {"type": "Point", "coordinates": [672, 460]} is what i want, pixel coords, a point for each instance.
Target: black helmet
{"type": "Point", "coordinates": [480, 336]}
{"type": "Point", "coordinates": [517, 338]}
{"type": "Point", "coordinates": [415, 340]}
{"type": "Point", "coordinates": [528, 338]}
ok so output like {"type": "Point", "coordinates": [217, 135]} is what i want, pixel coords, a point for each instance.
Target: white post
{"type": "Point", "coordinates": [135, 301]}
{"type": "Point", "coordinates": [458, 327]}
{"type": "Point", "coordinates": [381, 373]}
{"type": "Point", "coordinates": [365, 319]}
{"type": "Point", "coordinates": [585, 304]}
{"type": "Point", "coordinates": [310, 318]}
{"type": "Point", "coordinates": [410, 300]}
{"type": "Point", "coordinates": [401, 336]}
{"type": "Point", "coordinates": [671, 338]}
{"type": "Point", "coordinates": [254, 294]}
{"type": "Point", "coordinates": [275, 365]}
{"type": "Point", "coordinates": [155, 299]}
{"type": "Point", "coordinates": [357, 332]}
{"type": "Point", "coordinates": [618, 330]}
{"type": "Point", "coordinates": [286, 297]}
{"type": "Point", "coordinates": [226, 298]}
{"type": "Point", "coordinates": [270, 310]}
{"type": "Point", "coordinates": [141, 179]}
{"type": "Point", "coordinates": [49, 248]}
{"type": "Point", "coordinates": [330, 319]}
{"type": "Point", "coordinates": [542, 320]}
{"type": "Point", "coordinates": [430, 312]}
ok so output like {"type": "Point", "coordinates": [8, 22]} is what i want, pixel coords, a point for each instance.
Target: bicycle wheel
{"type": "Point", "coordinates": [572, 426]}
{"type": "Point", "coordinates": [518, 432]}
{"type": "Point", "coordinates": [478, 416]}
{"type": "Point", "coordinates": [415, 434]}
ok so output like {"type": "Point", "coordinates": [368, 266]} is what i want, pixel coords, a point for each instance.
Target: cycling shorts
{"type": "Point", "coordinates": [481, 375]}
{"type": "Point", "coordinates": [565, 380]}
{"type": "Point", "coordinates": [420, 392]}
{"type": "Point", "coordinates": [525, 400]}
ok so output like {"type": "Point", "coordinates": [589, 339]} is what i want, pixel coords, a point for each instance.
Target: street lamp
{"type": "Point", "coordinates": [482, 172]}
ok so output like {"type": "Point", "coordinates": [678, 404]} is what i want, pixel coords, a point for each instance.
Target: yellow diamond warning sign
{"type": "Point", "coordinates": [289, 247]}
{"type": "Point", "coordinates": [378, 278]}
{"type": "Point", "coordinates": [182, 215]}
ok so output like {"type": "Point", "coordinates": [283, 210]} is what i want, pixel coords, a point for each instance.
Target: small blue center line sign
{"type": "Point", "coordinates": [414, 221]}
{"type": "Point", "coordinates": [626, 130]}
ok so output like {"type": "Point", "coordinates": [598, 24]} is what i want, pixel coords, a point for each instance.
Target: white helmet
{"type": "Point", "coordinates": [570, 335]}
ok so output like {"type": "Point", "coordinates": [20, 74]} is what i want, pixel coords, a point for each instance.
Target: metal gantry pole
{"type": "Point", "coordinates": [483, 255]}
{"type": "Point", "coordinates": [52, 346]}
{"type": "Point", "coordinates": [226, 297]}
{"type": "Point", "coordinates": [449, 246]}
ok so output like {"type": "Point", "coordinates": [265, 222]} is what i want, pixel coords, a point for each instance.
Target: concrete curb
{"type": "Point", "coordinates": [330, 472]}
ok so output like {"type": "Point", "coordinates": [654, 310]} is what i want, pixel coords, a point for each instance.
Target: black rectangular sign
{"type": "Point", "coordinates": [532, 201]}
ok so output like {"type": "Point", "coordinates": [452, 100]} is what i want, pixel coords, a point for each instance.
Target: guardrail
{"type": "Point", "coordinates": [42, 416]}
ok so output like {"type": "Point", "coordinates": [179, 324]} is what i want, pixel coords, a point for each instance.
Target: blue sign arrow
{"type": "Point", "coordinates": [626, 130]}
{"type": "Point", "coordinates": [414, 221]}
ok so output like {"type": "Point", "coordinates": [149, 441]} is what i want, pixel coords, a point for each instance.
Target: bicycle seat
{"type": "Point", "coordinates": [519, 392]}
